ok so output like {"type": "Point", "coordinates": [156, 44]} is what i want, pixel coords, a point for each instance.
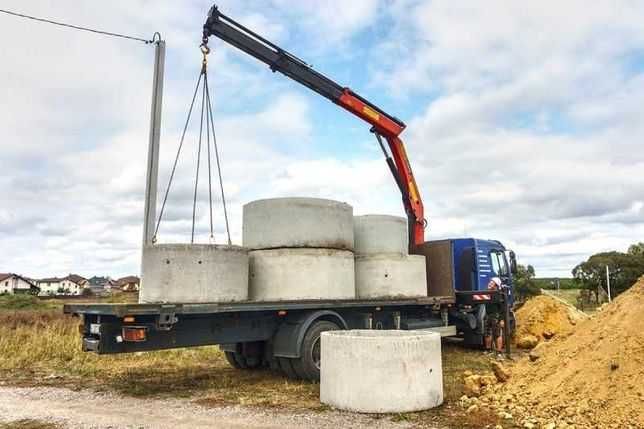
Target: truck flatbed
{"type": "Point", "coordinates": [122, 310]}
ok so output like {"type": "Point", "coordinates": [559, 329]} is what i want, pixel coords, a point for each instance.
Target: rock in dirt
{"type": "Point", "coordinates": [472, 385]}
{"type": "Point", "coordinates": [501, 372]}
{"type": "Point", "coordinates": [527, 342]}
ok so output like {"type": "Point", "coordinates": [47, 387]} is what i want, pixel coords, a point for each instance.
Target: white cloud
{"type": "Point", "coordinates": [533, 134]}
{"type": "Point", "coordinates": [332, 21]}
{"type": "Point", "coordinates": [534, 129]}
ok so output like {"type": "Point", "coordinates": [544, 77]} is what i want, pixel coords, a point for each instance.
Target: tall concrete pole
{"type": "Point", "coordinates": [152, 170]}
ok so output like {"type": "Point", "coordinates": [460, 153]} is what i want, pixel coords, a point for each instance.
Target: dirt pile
{"type": "Point", "coordinates": [544, 317]}
{"type": "Point", "coordinates": [591, 378]}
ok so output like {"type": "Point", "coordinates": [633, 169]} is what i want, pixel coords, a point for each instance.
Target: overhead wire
{"type": "Point", "coordinates": [78, 27]}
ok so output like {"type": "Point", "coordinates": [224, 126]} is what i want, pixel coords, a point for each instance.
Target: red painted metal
{"type": "Point", "coordinates": [383, 124]}
{"type": "Point", "coordinates": [413, 203]}
{"type": "Point", "coordinates": [390, 130]}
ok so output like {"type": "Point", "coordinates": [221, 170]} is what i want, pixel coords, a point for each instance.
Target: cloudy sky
{"type": "Point", "coordinates": [524, 123]}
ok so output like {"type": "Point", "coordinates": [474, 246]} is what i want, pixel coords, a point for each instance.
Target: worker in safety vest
{"type": "Point", "coordinates": [494, 324]}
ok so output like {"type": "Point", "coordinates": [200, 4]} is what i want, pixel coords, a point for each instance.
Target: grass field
{"type": "Point", "coordinates": [570, 296]}
{"type": "Point", "coordinates": [42, 347]}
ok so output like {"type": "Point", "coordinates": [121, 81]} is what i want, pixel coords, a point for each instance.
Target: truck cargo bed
{"type": "Point", "coordinates": [121, 310]}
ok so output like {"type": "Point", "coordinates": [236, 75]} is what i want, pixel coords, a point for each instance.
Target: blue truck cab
{"type": "Point", "coordinates": [459, 268]}
{"type": "Point", "coordinates": [478, 261]}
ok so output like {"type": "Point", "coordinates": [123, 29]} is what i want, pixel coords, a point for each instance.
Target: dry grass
{"type": "Point", "coordinates": [43, 348]}
{"type": "Point", "coordinates": [28, 424]}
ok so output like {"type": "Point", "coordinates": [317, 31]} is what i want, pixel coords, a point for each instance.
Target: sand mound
{"type": "Point", "coordinates": [591, 378]}
{"type": "Point", "coordinates": [545, 317]}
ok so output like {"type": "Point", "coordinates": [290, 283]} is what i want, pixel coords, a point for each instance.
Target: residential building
{"type": "Point", "coordinates": [16, 284]}
{"type": "Point", "coordinates": [101, 285]}
{"type": "Point", "coordinates": [128, 283]}
{"type": "Point", "coordinates": [73, 284]}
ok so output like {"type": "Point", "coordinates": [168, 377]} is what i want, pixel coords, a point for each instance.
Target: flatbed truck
{"type": "Point", "coordinates": [285, 334]}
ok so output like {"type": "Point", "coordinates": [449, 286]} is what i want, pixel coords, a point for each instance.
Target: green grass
{"type": "Point", "coordinates": [570, 296]}
{"type": "Point", "coordinates": [24, 302]}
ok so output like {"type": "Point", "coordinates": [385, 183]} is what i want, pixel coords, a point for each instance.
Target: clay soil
{"type": "Point", "coordinates": [545, 316]}
{"type": "Point", "coordinates": [590, 377]}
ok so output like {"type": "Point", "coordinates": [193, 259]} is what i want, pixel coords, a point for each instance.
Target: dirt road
{"type": "Point", "coordinates": [88, 409]}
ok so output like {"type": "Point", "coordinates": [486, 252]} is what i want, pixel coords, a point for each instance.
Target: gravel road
{"type": "Point", "coordinates": [88, 409]}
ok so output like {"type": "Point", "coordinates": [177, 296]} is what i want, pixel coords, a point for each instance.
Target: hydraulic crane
{"type": "Point", "coordinates": [383, 125]}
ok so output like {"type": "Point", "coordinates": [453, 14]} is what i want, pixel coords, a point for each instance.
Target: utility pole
{"type": "Point", "coordinates": [608, 283]}
{"type": "Point", "coordinates": [152, 167]}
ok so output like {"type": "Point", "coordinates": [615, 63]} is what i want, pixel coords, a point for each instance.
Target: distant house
{"type": "Point", "coordinates": [101, 285]}
{"type": "Point", "coordinates": [73, 284]}
{"type": "Point", "coordinates": [16, 284]}
{"type": "Point", "coordinates": [128, 283]}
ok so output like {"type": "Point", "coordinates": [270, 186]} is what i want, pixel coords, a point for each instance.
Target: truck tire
{"type": "Point", "coordinates": [307, 367]}
{"type": "Point", "coordinates": [230, 357]}
{"type": "Point", "coordinates": [286, 365]}
{"type": "Point", "coordinates": [254, 362]}
{"type": "Point", "coordinates": [239, 361]}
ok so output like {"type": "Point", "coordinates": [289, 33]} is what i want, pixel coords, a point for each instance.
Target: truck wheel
{"type": "Point", "coordinates": [307, 366]}
{"type": "Point", "coordinates": [230, 357]}
{"type": "Point", "coordinates": [253, 362]}
{"type": "Point", "coordinates": [286, 365]}
{"type": "Point", "coordinates": [240, 360]}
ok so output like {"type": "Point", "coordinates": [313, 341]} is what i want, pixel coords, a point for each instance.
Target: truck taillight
{"type": "Point", "coordinates": [134, 334]}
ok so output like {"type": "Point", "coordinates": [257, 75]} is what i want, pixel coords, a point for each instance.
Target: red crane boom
{"type": "Point", "coordinates": [383, 124]}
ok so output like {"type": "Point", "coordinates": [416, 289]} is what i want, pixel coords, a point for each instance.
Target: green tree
{"type": "Point", "coordinates": [525, 285]}
{"type": "Point", "coordinates": [636, 249]}
{"type": "Point", "coordinates": [624, 268]}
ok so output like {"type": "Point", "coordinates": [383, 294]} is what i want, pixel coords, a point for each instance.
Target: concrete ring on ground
{"type": "Point", "coordinates": [390, 276]}
{"type": "Point", "coordinates": [372, 371]}
{"type": "Point", "coordinates": [194, 273]}
{"type": "Point", "coordinates": [296, 274]}
{"type": "Point", "coordinates": [375, 234]}
{"type": "Point", "coordinates": [297, 222]}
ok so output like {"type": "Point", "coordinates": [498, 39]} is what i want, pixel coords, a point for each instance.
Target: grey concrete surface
{"type": "Point", "coordinates": [390, 275]}
{"type": "Point", "coordinates": [291, 274]}
{"type": "Point", "coordinates": [376, 234]}
{"type": "Point", "coordinates": [372, 371]}
{"type": "Point", "coordinates": [297, 222]}
{"type": "Point", "coordinates": [194, 273]}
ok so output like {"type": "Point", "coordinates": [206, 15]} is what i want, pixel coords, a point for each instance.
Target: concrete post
{"type": "Point", "coordinates": [152, 169]}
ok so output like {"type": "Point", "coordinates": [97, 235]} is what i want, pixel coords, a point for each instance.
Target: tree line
{"type": "Point", "coordinates": [624, 269]}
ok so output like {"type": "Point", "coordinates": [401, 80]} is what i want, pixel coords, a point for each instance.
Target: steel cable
{"type": "Point", "coordinates": [176, 159]}
{"type": "Point", "coordinates": [194, 201]}
{"type": "Point", "coordinates": [214, 139]}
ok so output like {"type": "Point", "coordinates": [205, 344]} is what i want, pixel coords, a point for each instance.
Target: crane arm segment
{"type": "Point", "coordinates": [383, 124]}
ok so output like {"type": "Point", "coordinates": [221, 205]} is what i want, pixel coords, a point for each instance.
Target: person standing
{"type": "Point", "coordinates": [494, 324]}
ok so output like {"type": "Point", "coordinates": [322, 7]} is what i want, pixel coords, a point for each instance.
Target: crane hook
{"type": "Point", "coordinates": [205, 50]}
